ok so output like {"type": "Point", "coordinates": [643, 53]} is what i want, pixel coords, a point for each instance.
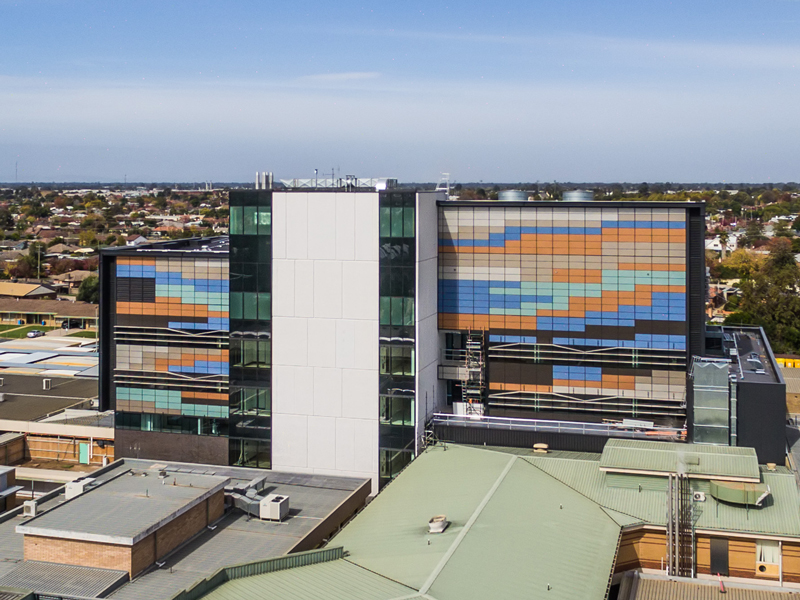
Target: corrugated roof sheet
{"type": "Point", "coordinates": [777, 516]}
{"type": "Point", "coordinates": [668, 457]}
{"type": "Point", "coordinates": [663, 589]}
{"type": "Point", "coordinates": [331, 580]}
{"type": "Point", "coordinates": [549, 534]}
{"type": "Point", "coordinates": [51, 578]}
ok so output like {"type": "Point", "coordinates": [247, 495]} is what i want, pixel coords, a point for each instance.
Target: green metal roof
{"type": "Point", "coordinates": [780, 514]}
{"type": "Point", "coordinates": [699, 461]}
{"type": "Point", "coordinates": [335, 579]}
{"type": "Point", "coordinates": [514, 530]}
{"type": "Point", "coordinates": [522, 525]}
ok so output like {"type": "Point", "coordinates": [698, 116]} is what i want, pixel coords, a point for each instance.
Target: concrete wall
{"type": "Point", "coordinates": [325, 333]}
{"type": "Point", "coordinates": [431, 394]}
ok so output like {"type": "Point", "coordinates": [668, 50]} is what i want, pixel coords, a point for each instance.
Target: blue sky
{"type": "Point", "coordinates": [502, 91]}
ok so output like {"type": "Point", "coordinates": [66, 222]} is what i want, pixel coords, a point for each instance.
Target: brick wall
{"type": "Point", "coordinates": [125, 558]}
{"type": "Point", "coordinates": [74, 552]}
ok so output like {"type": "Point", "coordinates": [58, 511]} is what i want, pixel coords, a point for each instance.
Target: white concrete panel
{"type": "Point", "coordinates": [289, 441]}
{"type": "Point", "coordinates": [278, 225]}
{"type": "Point", "coordinates": [328, 289]}
{"type": "Point", "coordinates": [290, 341]}
{"type": "Point", "coordinates": [292, 390]}
{"type": "Point", "coordinates": [366, 448]}
{"type": "Point", "coordinates": [322, 342]}
{"type": "Point", "coordinates": [431, 396]}
{"type": "Point", "coordinates": [322, 225]}
{"type": "Point", "coordinates": [345, 344]}
{"type": "Point", "coordinates": [366, 235]}
{"type": "Point", "coordinates": [327, 392]}
{"type": "Point", "coordinates": [322, 443]}
{"type": "Point", "coordinates": [360, 291]}
{"type": "Point", "coordinates": [360, 395]}
{"type": "Point", "coordinates": [297, 225]}
{"type": "Point", "coordinates": [345, 445]}
{"type": "Point", "coordinates": [427, 342]}
{"type": "Point", "coordinates": [283, 288]}
{"type": "Point", "coordinates": [366, 345]}
{"type": "Point", "coordinates": [427, 224]}
{"type": "Point", "coordinates": [304, 288]}
{"type": "Point", "coordinates": [345, 227]}
{"type": "Point", "coordinates": [427, 288]}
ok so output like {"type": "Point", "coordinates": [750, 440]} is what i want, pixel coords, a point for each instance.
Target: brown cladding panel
{"type": "Point", "coordinates": [176, 447]}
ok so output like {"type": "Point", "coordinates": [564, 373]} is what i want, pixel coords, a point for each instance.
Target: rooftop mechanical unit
{"type": "Point", "coordinates": [76, 488]}
{"type": "Point", "coordinates": [273, 507]}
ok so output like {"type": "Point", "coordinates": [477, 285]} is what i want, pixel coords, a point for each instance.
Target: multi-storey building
{"type": "Point", "coordinates": [328, 362]}
{"type": "Point", "coordinates": [317, 340]}
{"type": "Point", "coordinates": [164, 348]}
{"type": "Point", "coordinates": [580, 310]}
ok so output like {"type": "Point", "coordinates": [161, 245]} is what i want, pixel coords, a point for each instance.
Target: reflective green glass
{"type": "Point", "coordinates": [397, 221]}
{"type": "Point", "coordinates": [397, 311]}
{"type": "Point", "coordinates": [264, 306]}
{"type": "Point", "coordinates": [250, 308]}
{"type": "Point", "coordinates": [385, 310]}
{"type": "Point", "coordinates": [236, 227]}
{"type": "Point", "coordinates": [408, 311]}
{"type": "Point", "coordinates": [250, 225]}
{"type": "Point", "coordinates": [264, 218]}
{"type": "Point", "coordinates": [386, 220]}
{"type": "Point", "coordinates": [235, 305]}
{"type": "Point", "coordinates": [408, 222]}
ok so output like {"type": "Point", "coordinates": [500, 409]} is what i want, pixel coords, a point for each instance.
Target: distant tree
{"type": "Point", "coordinates": [89, 290]}
{"type": "Point", "coordinates": [781, 229]}
{"type": "Point", "coordinates": [6, 219]}
{"type": "Point", "coordinates": [644, 189]}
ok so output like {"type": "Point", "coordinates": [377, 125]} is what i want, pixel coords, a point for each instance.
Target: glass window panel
{"type": "Point", "coordinates": [236, 227]}
{"type": "Point", "coordinates": [250, 226]}
{"type": "Point", "coordinates": [385, 310]}
{"type": "Point", "coordinates": [397, 222]}
{"type": "Point", "coordinates": [408, 311]}
{"type": "Point", "coordinates": [385, 222]}
{"type": "Point", "coordinates": [384, 360]}
{"type": "Point", "coordinates": [397, 311]}
{"type": "Point", "coordinates": [264, 354]}
{"type": "Point", "coordinates": [264, 218]}
{"type": "Point", "coordinates": [249, 353]}
{"type": "Point", "coordinates": [408, 222]}
{"type": "Point", "coordinates": [250, 305]}
{"type": "Point", "coordinates": [264, 307]}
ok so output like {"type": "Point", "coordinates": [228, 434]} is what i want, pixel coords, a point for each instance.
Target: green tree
{"type": "Point", "coordinates": [771, 298]}
{"type": "Point", "coordinates": [89, 291]}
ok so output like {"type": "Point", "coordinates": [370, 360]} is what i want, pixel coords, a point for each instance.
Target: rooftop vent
{"type": "Point", "coordinates": [76, 488]}
{"type": "Point", "coordinates": [29, 508]}
{"type": "Point", "coordinates": [541, 448]}
{"type": "Point", "coordinates": [438, 524]}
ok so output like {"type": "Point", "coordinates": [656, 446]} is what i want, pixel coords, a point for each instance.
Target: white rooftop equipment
{"type": "Point", "coordinates": [274, 507]}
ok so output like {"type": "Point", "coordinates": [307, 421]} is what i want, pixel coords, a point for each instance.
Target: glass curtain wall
{"type": "Point", "coordinates": [250, 328]}
{"type": "Point", "coordinates": [397, 332]}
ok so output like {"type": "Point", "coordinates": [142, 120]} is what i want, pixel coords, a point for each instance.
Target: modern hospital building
{"type": "Point", "coordinates": [342, 324]}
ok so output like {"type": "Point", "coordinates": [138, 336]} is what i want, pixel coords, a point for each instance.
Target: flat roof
{"type": "Point", "coordinates": [575, 203]}
{"type": "Point", "coordinates": [236, 538]}
{"type": "Point", "coordinates": [696, 460]}
{"type": "Point", "coordinates": [67, 580]}
{"type": "Point", "coordinates": [211, 246]}
{"type": "Point", "coordinates": [125, 509]}
{"type": "Point", "coordinates": [25, 399]}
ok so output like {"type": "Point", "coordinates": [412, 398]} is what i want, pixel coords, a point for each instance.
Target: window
{"type": "Point", "coordinates": [397, 410]}
{"type": "Point", "coordinates": [396, 311]}
{"type": "Point", "coordinates": [397, 360]}
{"type": "Point", "coordinates": [397, 222]}
{"type": "Point", "coordinates": [768, 552]}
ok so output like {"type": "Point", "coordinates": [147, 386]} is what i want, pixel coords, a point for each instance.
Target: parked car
{"type": "Point", "coordinates": [34, 333]}
{"type": "Point", "coordinates": [71, 324]}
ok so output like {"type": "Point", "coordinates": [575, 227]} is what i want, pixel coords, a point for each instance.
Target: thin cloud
{"type": "Point", "coordinates": [340, 77]}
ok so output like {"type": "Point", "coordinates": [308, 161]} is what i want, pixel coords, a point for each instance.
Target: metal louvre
{"type": "Point", "coordinates": [614, 356]}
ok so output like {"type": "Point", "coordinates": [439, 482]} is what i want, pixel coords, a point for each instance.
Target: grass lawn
{"type": "Point", "coordinates": [86, 334]}
{"type": "Point", "coordinates": [23, 331]}
{"type": "Point", "coordinates": [7, 326]}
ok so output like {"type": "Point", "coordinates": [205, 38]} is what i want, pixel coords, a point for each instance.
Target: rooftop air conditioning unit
{"type": "Point", "coordinates": [45, 384]}
{"type": "Point", "coordinates": [76, 488]}
{"type": "Point", "coordinates": [273, 507]}
{"type": "Point", "coordinates": [29, 508]}
{"type": "Point", "coordinates": [699, 496]}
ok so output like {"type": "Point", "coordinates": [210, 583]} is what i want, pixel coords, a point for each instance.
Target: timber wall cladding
{"type": "Point", "coordinates": [65, 450]}
{"type": "Point", "coordinates": [641, 548]}
{"type": "Point", "coordinates": [791, 562]}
